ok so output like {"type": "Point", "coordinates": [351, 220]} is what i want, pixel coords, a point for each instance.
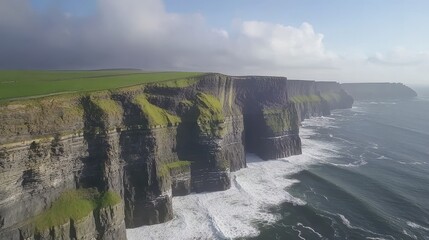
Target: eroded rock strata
{"type": "Point", "coordinates": [124, 154]}
{"type": "Point", "coordinates": [313, 98]}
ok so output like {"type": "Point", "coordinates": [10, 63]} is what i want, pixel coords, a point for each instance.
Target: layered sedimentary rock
{"type": "Point", "coordinates": [314, 99]}
{"type": "Point", "coordinates": [307, 99]}
{"type": "Point", "coordinates": [50, 146]}
{"type": "Point", "coordinates": [369, 91]}
{"type": "Point", "coordinates": [270, 119]}
{"type": "Point", "coordinates": [334, 95]}
{"type": "Point", "coordinates": [141, 145]}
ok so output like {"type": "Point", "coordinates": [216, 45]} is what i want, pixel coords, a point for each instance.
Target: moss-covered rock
{"type": "Point", "coordinates": [164, 169]}
{"type": "Point", "coordinates": [110, 107]}
{"type": "Point", "coordinates": [155, 115]}
{"type": "Point", "coordinates": [74, 205]}
{"type": "Point", "coordinates": [280, 120]}
{"type": "Point", "coordinates": [306, 98]}
{"type": "Point", "coordinates": [209, 114]}
{"type": "Point", "coordinates": [333, 96]}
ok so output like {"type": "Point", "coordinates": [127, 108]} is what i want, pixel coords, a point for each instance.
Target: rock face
{"type": "Point", "coordinates": [146, 144]}
{"type": "Point", "coordinates": [334, 95]}
{"type": "Point", "coordinates": [371, 91]}
{"type": "Point", "coordinates": [270, 119]}
{"type": "Point", "coordinates": [314, 99]}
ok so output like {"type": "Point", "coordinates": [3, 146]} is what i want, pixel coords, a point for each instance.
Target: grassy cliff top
{"type": "Point", "coordinates": [16, 84]}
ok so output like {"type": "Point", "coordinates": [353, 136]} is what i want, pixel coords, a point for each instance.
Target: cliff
{"type": "Point", "coordinates": [313, 98]}
{"type": "Point", "coordinates": [87, 166]}
{"type": "Point", "coordinates": [373, 91]}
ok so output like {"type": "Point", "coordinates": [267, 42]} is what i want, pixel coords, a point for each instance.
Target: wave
{"type": "Point", "coordinates": [383, 103]}
{"type": "Point", "coordinates": [322, 122]}
{"type": "Point", "coordinates": [359, 109]}
{"type": "Point", "coordinates": [237, 212]}
{"type": "Point", "coordinates": [309, 228]}
{"type": "Point", "coordinates": [397, 127]}
{"type": "Point", "coordinates": [357, 163]}
{"type": "Point", "coordinates": [372, 213]}
{"type": "Point", "coordinates": [417, 226]}
{"type": "Point", "coordinates": [412, 163]}
{"type": "Point", "coordinates": [409, 234]}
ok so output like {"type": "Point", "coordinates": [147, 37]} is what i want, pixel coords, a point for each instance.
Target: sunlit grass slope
{"type": "Point", "coordinates": [21, 84]}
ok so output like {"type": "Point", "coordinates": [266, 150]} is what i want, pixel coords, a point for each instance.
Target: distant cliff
{"type": "Point", "coordinates": [369, 91]}
{"type": "Point", "coordinates": [120, 156]}
{"type": "Point", "coordinates": [313, 98]}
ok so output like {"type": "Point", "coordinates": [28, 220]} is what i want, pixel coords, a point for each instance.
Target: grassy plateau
{"type": "Point", "coordinates": [16, 84]}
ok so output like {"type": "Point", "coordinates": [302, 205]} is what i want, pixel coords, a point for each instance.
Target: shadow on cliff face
{"type": "Point", "coordinates": [142, 189]}
{"type": "Point", "coordinates": [208, 171]}
{"type": "Point", "coordinates": [94, 134]}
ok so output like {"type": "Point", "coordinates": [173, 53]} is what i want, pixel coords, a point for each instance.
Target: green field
{"type": "Point", "coordinates": [24, 84]}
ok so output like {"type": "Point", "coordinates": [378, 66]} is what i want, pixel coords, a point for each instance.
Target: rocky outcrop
{"type": "Point", "coordinates": [143, 144]}
{"type": "Point", "coordinates": [374, 91]}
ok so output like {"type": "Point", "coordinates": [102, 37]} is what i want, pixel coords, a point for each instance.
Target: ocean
{"type": "Point", "coordinates": [363, 174]}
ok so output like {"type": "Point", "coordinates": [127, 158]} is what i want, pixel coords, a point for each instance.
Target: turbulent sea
{"type": "Point", "coordinates": [363, 174]}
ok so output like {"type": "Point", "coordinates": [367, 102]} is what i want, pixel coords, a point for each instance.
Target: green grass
{"type": "Point", "coordinates": [209, 114]}
{"type": "Point", "coordinates": [178, 164]}
{"type": "Point", "coordinates": [22, 84]}
{"type": "Point", "coordinates": [332, 97]}
{"type": "Point", "coordinates": [279, 120]}
{"type": "Point", "coordinates": [74, 204]}
{"type": "Point", "coordinates": [306, 99]}
{"type": "Point", "coordinates": [110, 107]}
{"type": "Point", "coordinates": [179, 83]}
{"type": "Point", "coordinates": [155, 116]}
{"type": "Point", "coordinates": [164, 169]}
{"type": "Point", "coordinates": [109, 199]}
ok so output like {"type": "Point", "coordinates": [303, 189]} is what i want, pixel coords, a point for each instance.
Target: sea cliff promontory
{"type": "Point", "coordinates": [88, 165]}
{"type": "Point", "coordinates": [374, 91]}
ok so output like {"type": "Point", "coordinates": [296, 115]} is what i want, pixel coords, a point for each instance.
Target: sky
{"type": "Point", "coordinates": [346, 41]}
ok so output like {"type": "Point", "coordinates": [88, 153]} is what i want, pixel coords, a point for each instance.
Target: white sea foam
{"type": "Point", "coordinates": [311, 229]}
{"type": "Point", "coordinates": [345, 221]}
{"type": "Point", "coordinates": [235, 212]}
{"type": "Point", "coordinates": [299, 233]}
{"type": "Point", "coordinates": [349, 225]}
{"type": "Point", "coordinates": [359, 109]}
{"type": "Point", "coordinates": [409, 234]}
{"type": "Point", "coordinates": [417, 226]}
{"type": "Point", "coordinates": [412, 163]}
{"type": "Point", "coordinates": [383, 103]}
{"type": "Point", "coordinates": [357, 163]}
{"type": "Point", "coordinates": [325, 122]}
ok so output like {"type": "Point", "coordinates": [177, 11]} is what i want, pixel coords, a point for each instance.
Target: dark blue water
{"type": "Point", "coordinates": [374, 185]}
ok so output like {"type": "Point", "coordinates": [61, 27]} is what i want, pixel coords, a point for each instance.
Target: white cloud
{"type": "Point", "coordinates": [142, 34]}
{"type": "Point", "coordinates": [400, 57]}
{"type": "Point", "coordinates": [283, 46]}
